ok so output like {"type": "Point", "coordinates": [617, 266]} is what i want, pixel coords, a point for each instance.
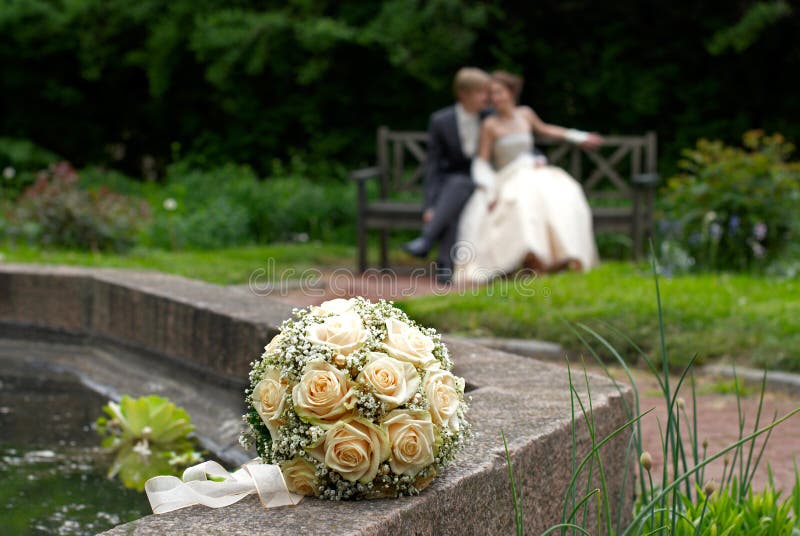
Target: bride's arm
{"type": "Point", "coordinates": [590, 140]}
{"type": "Point", "coordinates": [482, 173]}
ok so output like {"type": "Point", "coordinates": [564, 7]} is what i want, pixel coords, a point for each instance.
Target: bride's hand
{"type": "Point", "coordinates": [594, 141]}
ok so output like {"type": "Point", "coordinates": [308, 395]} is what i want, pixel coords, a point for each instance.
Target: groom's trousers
{"type": "Point", "coordinates": [455, 191]}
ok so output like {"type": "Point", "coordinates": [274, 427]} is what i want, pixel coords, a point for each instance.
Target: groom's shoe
{"type": "Point", "coordinates": [419, 247]}
{"type": "Point", "coordinates": [444, 277]}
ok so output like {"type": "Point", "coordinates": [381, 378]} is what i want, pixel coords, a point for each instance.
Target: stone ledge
{"type": "Point", "coordinates": [203, 326]}
{"type": "Point", "coordinates": [219, 331]}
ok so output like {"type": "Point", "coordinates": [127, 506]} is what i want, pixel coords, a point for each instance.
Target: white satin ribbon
{"type": "Point", "coordinates": [168, 493]}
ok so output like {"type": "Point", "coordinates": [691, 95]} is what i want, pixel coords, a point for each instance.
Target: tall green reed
{"type": "Point", "coordinates": [663, 506]}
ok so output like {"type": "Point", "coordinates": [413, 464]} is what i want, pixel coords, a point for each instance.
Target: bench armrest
{"type": "Point", "coordinates": [365, 174]}
{"type": "Point", "coordinates": [646, 180]}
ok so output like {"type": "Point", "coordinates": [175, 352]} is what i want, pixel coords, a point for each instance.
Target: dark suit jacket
{"type": "Point", "coordinates": [445, 156]}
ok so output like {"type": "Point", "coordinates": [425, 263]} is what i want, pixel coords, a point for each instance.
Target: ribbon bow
{"type": "Point", "coordinates": [211, 485]}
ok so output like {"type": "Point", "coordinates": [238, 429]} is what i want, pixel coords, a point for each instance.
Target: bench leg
{"type": "Point", "coordinates": [361, 228]}
{"type": "Point", "coordinates": [384, 249]}
{"type": "Point", "coordinates": [636, 225]}
{"type": "Point", "coordinates": [362, 248]}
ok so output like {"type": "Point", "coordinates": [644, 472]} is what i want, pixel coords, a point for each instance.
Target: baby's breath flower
{"type": "Point", "coordinates": [292, 352]}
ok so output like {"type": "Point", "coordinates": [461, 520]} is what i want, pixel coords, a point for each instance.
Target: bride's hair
{"type": "Point", "coordinates": [511, 81]}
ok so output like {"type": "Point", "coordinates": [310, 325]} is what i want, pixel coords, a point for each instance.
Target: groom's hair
{"type": "Point", "coordinates": [469, 79]}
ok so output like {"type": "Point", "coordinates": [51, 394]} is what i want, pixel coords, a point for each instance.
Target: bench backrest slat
{"type": "Point", "coordinates": [603, 174]}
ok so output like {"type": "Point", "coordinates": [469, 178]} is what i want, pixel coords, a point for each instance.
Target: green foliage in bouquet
{"type": "Point", "coordinates": [150, 436]}
{"type": "Point", "coordinates": [730, 207]}
{"type": "Point", "coordinates": [354, 400]}
{"type": "Point", "coordinates": [55, 211]}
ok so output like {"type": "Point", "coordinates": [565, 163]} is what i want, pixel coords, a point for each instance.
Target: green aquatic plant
{"type": "Point", "coordinates": [150, 436]}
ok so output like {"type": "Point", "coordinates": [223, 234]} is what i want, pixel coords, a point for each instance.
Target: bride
{"type": "Point", "coordinates": [522, 213]}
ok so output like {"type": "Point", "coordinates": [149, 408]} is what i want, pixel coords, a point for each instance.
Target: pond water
{"type": "Point", "coordinates": [52, 473]}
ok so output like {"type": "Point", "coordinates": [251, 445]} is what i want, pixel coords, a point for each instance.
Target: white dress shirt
{"type": "Point", "coordinates": [468, 130]}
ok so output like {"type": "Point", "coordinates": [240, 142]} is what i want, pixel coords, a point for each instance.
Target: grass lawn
{"type": "Point", "coordinates": [751, 320]}
{"type": "Point", "coordinates": [745, 319]}
{"type": "Point", "coordinates": [228, 266]}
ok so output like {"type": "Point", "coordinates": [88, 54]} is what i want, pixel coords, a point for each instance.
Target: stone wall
{"type": "Point", "coordinates": [217, 331]}
{"type": "Point", "coordinates": [206, 327]}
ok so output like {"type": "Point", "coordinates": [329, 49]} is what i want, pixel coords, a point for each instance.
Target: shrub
{"type": "Point", "coordinates": [730, 207]}
{"type": "Point", "coordinates": [20, 160]}
{"type": "Point", "coordinates": [55, 212]}
{"type": "Point", "coordinates": [230, 205]}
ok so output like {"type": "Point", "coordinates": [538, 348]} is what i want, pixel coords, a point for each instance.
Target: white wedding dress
{"type": "Point", "coordinates": [538, 210]}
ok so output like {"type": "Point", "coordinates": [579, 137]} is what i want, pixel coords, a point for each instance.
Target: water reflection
{"type": "Point", "coordinates": [52, 471]}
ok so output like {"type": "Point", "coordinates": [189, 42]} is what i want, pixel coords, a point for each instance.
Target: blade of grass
{"type": "Point", "coordinates": [598, 446]}
{"type": "Point", "coordinates": [637, 433]}
{"type": "Point", "coordinates": [567, 526]}
{"type": "Point", "coordinates": [582, 502]}
{"type": "Point", "coordinates": [739, 452]}
{"type": "Point", "coordinates": [669, 435]}
{"type": "Point", "coordinates": [517, 509]}
{"type": "Point", "coordinates": [761, 451]}
{"type": "Point", "coordinates": [601, 472]}
{"type": "Point", "coordinates": [796, 491]}
{"type": "Point", "coordinates": [638, 518]}
{"type": "Point", "coordinates": [702, 516]}
{"type": "Point", "coordinates": [642, 353]}
{"type": "Point", "coordinates": [574, 439]}
{"type": "Point", "coordinates": [748, 477]}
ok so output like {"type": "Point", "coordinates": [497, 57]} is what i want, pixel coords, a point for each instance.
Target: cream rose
{"type": "Point", "coordinates": [324, 393]}
{"type": "Point", "coordinates": [413, 441]}
{"type": "Point", "coordinates": [269, 400]}
{"type": "Point", "coordinates": [394, 381]}
{"type": "Point", "coordinates": [355, 448]}
{"type": "Point", "coordinates": [442, 390]}
{"type": "Point", "coordinates": [344, 333]}
{"type": "Point", "coordinates": [408, 344]}
{"type": "Point", "coordinates": [337, 306]}
{"type": "Point", "coordinates": [300, 476]}
{"type": "Point", "coordinates": [272, 347]}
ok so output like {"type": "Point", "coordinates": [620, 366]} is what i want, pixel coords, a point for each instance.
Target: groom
{"type": "Point", "coordinates": [452, 143]}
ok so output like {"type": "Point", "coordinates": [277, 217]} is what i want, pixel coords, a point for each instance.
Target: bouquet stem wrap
{"type": "Point", "coordinates": [211, 485]}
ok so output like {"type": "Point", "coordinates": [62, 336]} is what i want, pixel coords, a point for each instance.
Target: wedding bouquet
{"type": "Point", "coordinates": [352, 400]}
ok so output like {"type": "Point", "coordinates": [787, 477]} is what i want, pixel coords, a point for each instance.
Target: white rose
{"type": "Point", "coordinates": [408, 344]}
{"type": "Point", "coordinates": [324, 394]}
{"type": "Point", "coordinates": [300, 476]}
{"type": "Point", "coordinates": [413, 441]}
{"type": "Point", "coordinates": [272, 347]}
{"type": "Point", "coordinates": [355, 448]}
{"type": "Point", "coordinates": [443, 392]}
{"type": "Point", "coordinates": [394, 381]}
{"type": "Point", "coordinates": [344, 333]}
{"type": "Point", "coordinates": [269, 400]}
{"type": "Point", "coordinates": [336, 307]}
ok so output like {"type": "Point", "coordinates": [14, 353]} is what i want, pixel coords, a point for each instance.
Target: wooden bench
{"type": "Point", "coordinates": [619, 180]}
